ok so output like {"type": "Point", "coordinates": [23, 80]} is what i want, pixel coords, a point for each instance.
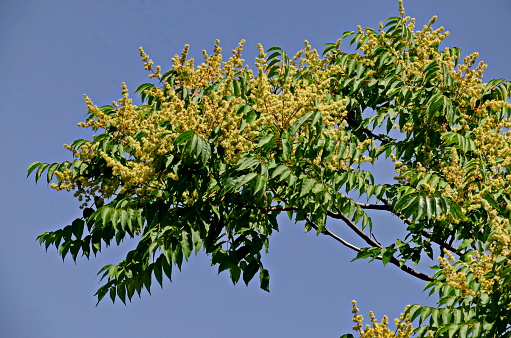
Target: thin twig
{"type": "Point", "coordinates": [331, 234]}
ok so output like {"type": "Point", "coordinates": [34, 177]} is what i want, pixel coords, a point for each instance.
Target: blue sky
{"type": "Point", "coordinates": [55, 51]}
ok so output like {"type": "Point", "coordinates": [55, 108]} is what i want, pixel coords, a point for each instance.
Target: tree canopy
{"type": "Point", "coordinates": [217, 151]}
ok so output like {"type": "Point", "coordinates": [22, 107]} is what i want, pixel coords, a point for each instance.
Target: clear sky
{"type": "Point", "coordinates": [54, 51]}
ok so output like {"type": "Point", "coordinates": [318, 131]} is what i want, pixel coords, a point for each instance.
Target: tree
{"type": "Point", "coordinates": [216, 152]}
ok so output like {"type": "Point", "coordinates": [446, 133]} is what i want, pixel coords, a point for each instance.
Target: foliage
{"type": "Point", "coordinates": [216, 152]}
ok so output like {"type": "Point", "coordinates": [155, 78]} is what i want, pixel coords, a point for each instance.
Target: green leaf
{"type": "Point", "coordinates": [248, 163]}
{"type": "Point", "coordinates": [279, 170]}
{"type": "Point", "coordinates": [102, 291]}
{"type": "Point", "coordinates": [244, 180]}
{"type": "Point", "coordinates": [414, 311]}
{"type": "Point", "coordinates": [264, 279]}
{"type": "Point", "coordinates": [157, 270]}
{"type": "Point", "coordinates": [113, 292]}
{"type": "Point", "coordinates": [306, 186]}
{"type": "Point", "coordinates": [286, 149]}
{"type": "Point", "coordinates": [124, 219]}
{"type": "Point", "coordinates": [260, 183]}
{"type": "Point", "coordinates": [78, 227]}
{"type": "Point", "coordinates": [51, 170]}
{"type": "Point", "coordinates": [106, 214]}
{"type": "Point", "coordinates": [267, 140]}
{"type": "Point", "coordinates": [294, 128]}
{"type": "Point", "coordinates": [249, 271]}
{"type": "Point", "coordinates": [425, 312]}
{"type": "Point", "coordinates": [463, 331]}
{"type": "Point", "coordinates": [387, 254]}
{"type": "Point", "coordinates": [235, 273]}
{"type": "Point", "coordinates": [121, 292]}
{"type": "Point", "coordinates": [273, 49]}
{"type": "Point", "coordinates": [32, 167]}
{"type": "Point", "coordinates": [186, 244]}
{"type": "Point", "coordinates": [40, 171]}
{"type": "Point", "coordinates": [184, 137]}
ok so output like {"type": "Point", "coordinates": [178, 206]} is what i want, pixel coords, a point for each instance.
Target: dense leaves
{"type": "Point", "coordinates": [216, 152]}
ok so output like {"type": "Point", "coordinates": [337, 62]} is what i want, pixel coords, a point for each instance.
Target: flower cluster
{"type": "Point", "coordinates": [215, 95]}
{"type": "Point", "coordinates": [403, 324]}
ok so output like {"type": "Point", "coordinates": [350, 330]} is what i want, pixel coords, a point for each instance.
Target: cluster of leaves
{"type": "Point", "coordinates": [308, 125]}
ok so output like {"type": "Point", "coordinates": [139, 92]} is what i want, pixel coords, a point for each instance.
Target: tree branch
{"type": "Point", "coordinates": [331, 234]}
{"type": "Point", "coordinates": [353, 227]}
{"type": "Point", "coordinates": [361, 234]}
{"type": "Point", "coordinates": [424, 233]}
{"type": "Point", "coordinates": [372, 206]}
{"type": "Point", "coordinates": [373, 243]}
{"type": "Point", "coordinates": [278, 208]}
{"type": "Point", "coordinates": [357, 126]}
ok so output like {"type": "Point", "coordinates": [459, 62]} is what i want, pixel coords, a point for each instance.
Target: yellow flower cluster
{"type": "Point", "coordinates": [404, 327]}
{"type": "Point", "coordinates": [188, 102]}
{"type": "Point", "coordinates": [480, 265]}
{"type": "Point", "coordinates": [65, 182]}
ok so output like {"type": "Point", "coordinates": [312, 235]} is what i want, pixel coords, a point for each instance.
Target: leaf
{"type": "Point", "coordinates": [40, 171]}
{"type": "Point", "coordinates": [235, 273]}
{"type": "Point", "coordinates": [429, 207]}
{"type": "Point", "coordinates": [167, 266]}
{"type": "Point", "coordinates": [186, 244]}
{"type": "Point", "coordinates": [425, 312]}
{"type": "Point", "coordinates": [273, 49]}
{"type": "Point", "coordinates": [157, 270]}
{"type": "Point", "coordinates": [77, 227]}
{"type": "Point", "coordinates": [106, 214]}
{"type": "Point", "coordinates": [286, 149]}
{"type": "Point", "coordinates": [294, 128]}
{"type": "Point", "coordinates": [124, 219]}
{"type": "Point", "coordinates": [248, 162]}
{"type": "Point", "coordinates": [267, 140]}
{"type": "Point", "coordinates": [51, 170]}
{"type": "Point", "coordinates": [204, 150]}
{"type": "Point", "coordinates": [387, 255]}
{"type": "Point", "coordinates": [102, 291]}
{"type": "Point", "coordinates": [260, 183]}
{"type": "Point", "coordinates": [279, 170]}
{"type": "Point", "coordinates": [32, 167]}
{"type": "Point", "coordinates": [244, 180]}
{"type": "Point", "coordinates": [249, 271]}
{"type": "Point", "coordinates": [121, 292]}
{"type": "Point", "coordinates": [184, 137]}
{"type": "Point", "coordinates": [405, 203]}
{"type": "Point", "coordinates": [414, 311]}
{"type": "Point", "coordinates": [306, 186]}
{"type": "Point", "coordinates": [143, 87]}
{"type": "Point", "coordinates": [264, 280]}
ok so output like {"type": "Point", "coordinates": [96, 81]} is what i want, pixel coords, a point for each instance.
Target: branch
{"type": "Point", "coordinates": [351, 121]}
{"type": "Point", "coordinates": [372, 243]}
{"type": "Point", "coordinates": [278, 208]}
{"type": "Point", "coordinates": [331, 234]}
{"type": "Point", "coordinates": [372, 206]}
{"type": "Point", "coordinates": [368, 240]}
{"type": "Point", "coordinates": [353, 227]}
{"type": "Point", "coordinates": [426, 234]}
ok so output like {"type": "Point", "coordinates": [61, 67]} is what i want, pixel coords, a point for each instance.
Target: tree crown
{"type": "Point", "coordinates": [216, 152]}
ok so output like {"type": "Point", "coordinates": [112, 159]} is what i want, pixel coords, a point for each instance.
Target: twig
{"type": "Point", "coordinates": [331, 234]}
